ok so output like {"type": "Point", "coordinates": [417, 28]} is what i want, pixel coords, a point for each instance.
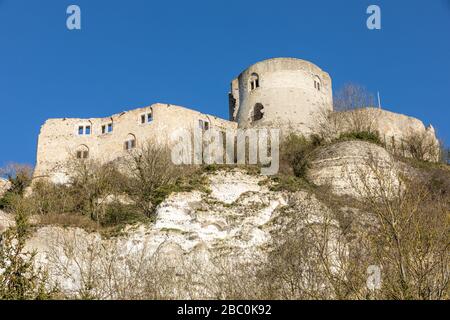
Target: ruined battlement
{"type": "Point", "coordinates": [283, 93]}
{"type": "Point", "coordinates": [106, 139]}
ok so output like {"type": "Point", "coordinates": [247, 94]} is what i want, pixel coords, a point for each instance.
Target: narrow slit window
{"type": "Point", "coordinates": [317, 83]}
{"type": "Point", "coordinates": [143, 118]}
{"type": "Point", "coordinates": [103, 129]}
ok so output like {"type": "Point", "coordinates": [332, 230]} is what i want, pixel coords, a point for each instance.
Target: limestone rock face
{"type": "Point", "coordinates": [191, 229]}
{"type": "Point", "coordinates": [6, 221]}
{"type": "Point", "coordinates": [4, 186]}
{"type": "Point", "coordinates": [352, 167]}
{"type": "Point", "coordinates": [199, 235]}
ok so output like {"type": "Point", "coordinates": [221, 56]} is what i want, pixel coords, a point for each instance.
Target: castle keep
{"type": "Point", "coordinates": [285, 93]}
{"type": "Point", "coordinates": [279, 93]}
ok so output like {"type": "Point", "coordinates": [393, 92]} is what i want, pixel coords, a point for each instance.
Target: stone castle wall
{"type": "Point", "coordinates": [292, 95]}
{"type": "Point", "coordinates": [59, 139]}
{"type": "Point", "coordinates": [396, 130]}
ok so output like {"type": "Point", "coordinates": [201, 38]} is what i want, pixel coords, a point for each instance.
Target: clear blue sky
{"type": "Point", "coordinates": [134, 53]}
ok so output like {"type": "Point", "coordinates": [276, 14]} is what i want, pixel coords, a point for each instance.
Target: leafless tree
{"type": "Point", "coordinates": [351, 97]}
{"type": "Point", "coordinates": [412, 235]}
{"type": "Point", "coordinates": [422, 146]}
{"type": "Point", "coordinates": [150, 171]}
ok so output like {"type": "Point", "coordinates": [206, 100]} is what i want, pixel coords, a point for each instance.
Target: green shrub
{"type": "Point", "coordinates": [19, 176]}
{"type": "Point", "coordinates": [118, 214]}
{"type": "Point", "coordinates": [5, 201]}
{"type": "Point", "coordinates": [289, 183]}
{"type": "Point", "coordinates": [368, 136]}
{"type": "Point", "coordinates": [296, 151]}
{"type": "Point", "coordinates": [19, 279]}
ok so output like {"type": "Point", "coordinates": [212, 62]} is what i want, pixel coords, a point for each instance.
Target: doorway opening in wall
{"type": "Point", "coordinates": [258, 112]}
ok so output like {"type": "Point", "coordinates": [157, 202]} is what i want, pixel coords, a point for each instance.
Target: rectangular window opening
{"type": "Point", "coordinates": [110, 127]}
{"type": "Point", "coordinates": [88, 130]}
{"type": "Point", "coordinates": [80, 130]}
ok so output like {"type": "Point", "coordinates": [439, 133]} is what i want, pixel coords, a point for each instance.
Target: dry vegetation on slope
{"type": "Point", "coordinates": [229, 233]}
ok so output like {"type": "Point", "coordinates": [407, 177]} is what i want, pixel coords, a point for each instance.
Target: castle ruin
{"type": "Point", "coordinates": [284, 93]}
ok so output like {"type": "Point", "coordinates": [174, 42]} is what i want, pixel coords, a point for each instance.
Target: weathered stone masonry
{"type": "Point", "coordinates": [109, 138]}
{"type": "Point", "coordinates": [284, 93]}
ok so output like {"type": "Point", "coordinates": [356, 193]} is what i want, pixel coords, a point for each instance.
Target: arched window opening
{"type": "Point", "coordinates": [254, 81]}
{"type": "Point", "coordinates": [130, 142]}
{"type": "Point", "coordinates": [258, 112]}
{"type": "Point", "coordinates": [82, 152]}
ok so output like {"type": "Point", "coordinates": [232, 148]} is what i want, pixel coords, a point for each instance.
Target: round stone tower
{"type": "Point", "coordinates": [285, 93]}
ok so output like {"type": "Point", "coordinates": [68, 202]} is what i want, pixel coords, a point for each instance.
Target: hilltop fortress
{"type": "Point", "coordinates": [285, 93]}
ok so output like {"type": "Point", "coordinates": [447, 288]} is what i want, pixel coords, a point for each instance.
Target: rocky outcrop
{"type": "Point", "coordinates": [354, 168]}
{"type": "Point", "coordinates": [6, 221]}
{"type": "Point", "coordinates": [194, 235]}
{"type": "Point", "coordinates": [232, 220]}
{"type": "Point", "coordinates": [203, 235]}
{"type": "Point", "coordinates": [4, 186]}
